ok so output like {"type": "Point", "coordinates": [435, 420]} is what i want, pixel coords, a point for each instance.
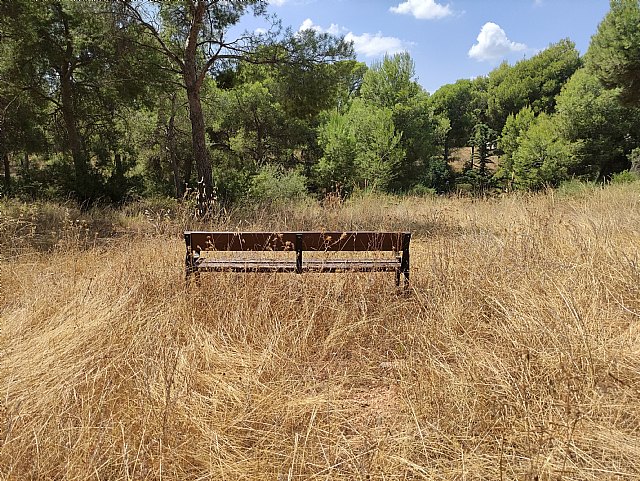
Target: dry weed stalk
{"type": "Point", "coordinates": [517, 355]}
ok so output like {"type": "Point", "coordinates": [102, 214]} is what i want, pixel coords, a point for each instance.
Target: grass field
{"type": "Point", "coordinates": [516, 355]}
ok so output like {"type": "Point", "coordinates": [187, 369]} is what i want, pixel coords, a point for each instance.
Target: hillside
{"type": "Point", "coordinates": [516, 355]}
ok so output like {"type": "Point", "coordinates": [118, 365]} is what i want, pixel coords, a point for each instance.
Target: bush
{"type": "Point", "coordinates": [625, 177]}
{"type": "Point", "coordinates": [634, 158]}
{"type": "Point", "coordinates": [231, 183]}
{"type": "Point", "coordinates": [421, 190]}
{"type": "Point", "coordinates": [272, 184]}
{"type": "Point", "coordinates": [438, 176]}
{"type": "Point", "coordinates": [575, 187]}
{"type": "Point", "coordinates": [543, 157]}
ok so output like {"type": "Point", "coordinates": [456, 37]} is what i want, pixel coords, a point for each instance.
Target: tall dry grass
{"type": "Point", "coordinates": [516, 355]}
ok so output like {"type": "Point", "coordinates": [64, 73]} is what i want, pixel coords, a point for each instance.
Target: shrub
{"type": "Point", "coordinates": [421, 190]}
{"type": "Point", "coordinates": [575, 187]}
{"type": "Point", "coordinates": [543, 158]}
{"type": "Point", "coordinates": [273, 184]}
{"type": "Point", "coordinates": [625, 177]}
{"type": "Point", "coordinates": [634, 158]}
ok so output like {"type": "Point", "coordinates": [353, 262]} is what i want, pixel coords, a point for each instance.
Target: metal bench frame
{"type": "Point", "coordinates": [298, 242]}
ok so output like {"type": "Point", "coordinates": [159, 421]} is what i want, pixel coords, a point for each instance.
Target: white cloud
{"type": "Point", "coordinates": [277, 3]}
{"type": "Point", "coordinates": [308, 24]}
{"type": "Point", "coordinates": [422, 9]}
{"type": "Point", "coordinates": [369, 45]}
{"type": "Point", "coordinates": [374, 45]}
{"type": "Point", "coordinates": [260, 31]}
{"type": "Point", "coordinates": [493, 44]}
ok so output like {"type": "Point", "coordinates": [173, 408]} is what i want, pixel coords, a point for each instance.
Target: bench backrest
{"type": "Point", "coordinates": [294, 241]}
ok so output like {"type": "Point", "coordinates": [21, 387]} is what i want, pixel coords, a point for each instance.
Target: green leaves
{"type": "Point", "coordinates": [614, 53]}
{"type": "Point", "coordinates": [390, 85]}
{"type": "Point", "coordinates": [543, 157]}
{"type": "Point", "coordinates": [391, 81]}
{"type": "Point", "coordinates": [509, 142]}
{"type": "Point", "coordinates": [361, 149]}
{"type": "Point", "coordinates": [534, 82]}
{"type": "Point", "coordinates": [601, 130]}
{"type": "Point", "coordinates": [454, 101]}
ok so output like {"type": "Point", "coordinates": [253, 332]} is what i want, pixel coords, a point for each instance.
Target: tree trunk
{"type": "Point", "coordinates": [198, 138]}
{"type": "Point", "coordinates": [73, 136]}
{"type": "Point", "coordinates": [118, 167]}
{"type": "Point", "coordinates": [171, 144]}
{"type": "Point", "coordinates": [25, 162]}
{"type": "Point", "coordinates": [5, 162]}
{"type": "Point", "coordinates": [69, 114]}
{"type": "Point", "coordinates": [7, 172]}
{"type": "Point", "coordinates": [193, 82]}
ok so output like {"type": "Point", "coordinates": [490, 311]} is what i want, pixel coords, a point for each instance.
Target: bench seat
{"type": "Point", "coordinates": [308, 265]}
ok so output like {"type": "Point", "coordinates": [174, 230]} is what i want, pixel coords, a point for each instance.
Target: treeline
{"type": "Point", "coordinates": [117, 99]}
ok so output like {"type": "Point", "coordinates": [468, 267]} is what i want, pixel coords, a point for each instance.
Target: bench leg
{"type": "Point", "coordinates": [191, 269]}
{"type": "Point", "coordinates": [404, 263]}
{"type": "Point", "coordinates": [192, 272]}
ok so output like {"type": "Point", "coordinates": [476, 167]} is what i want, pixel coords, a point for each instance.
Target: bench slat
{"type": "Point", "coordinates": [246, 266]}
{"type": "Point", "coordinates": [352, 241]}
{"type": "Point", "coordinates": [248, 241]}
{"type": "Point", "coordinates": [285, 241]}
{"type": "Point", "coordinates": [264, 265]}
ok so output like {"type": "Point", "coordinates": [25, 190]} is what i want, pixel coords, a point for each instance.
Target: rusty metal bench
{"type": "Point", "coordinates": [297, 243]}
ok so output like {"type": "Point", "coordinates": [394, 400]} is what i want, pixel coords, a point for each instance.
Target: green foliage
{"type": "Point", "coordinates": [336, 169]}
{"type": "Point", "coordinates": [534, 82]}
{"type": "Point", "coordinates": [80, 62]}
{"type": "Point", "coordinates": [471, 181]}
{"type": "Point", "coordinates": [575, 188]}
{"type": "Point", "coordinates": [421, 133]}
{"type": "Point", "coordinates": [254, 122]}
{"type": "Point", "coordinates": [421, 190]}
{"type": "Point", "coordinates": [271, 113]}
{"type": "Point", "coordinates": [514, 128]}
{"type": "Point", "coordinates": [438, 176]}
{"type": "Point", "coordinates": [482, 141]}
{"type": "Point", "coordinates": [390, 82]}
{"type": "Point", "coordinates": [454, 102]}
{"type": "Point", "coordinates": [114, 99]}
{"type": "Point", "coordinates": [361, 149]}
{"type": "Point", "coordinates": [625, 177]}
{"type": "Point", "coordinates": [543, 157]}
{"type": "Point", "coordinates": [272, 184]}
{"type": "Point", "coordinates": [602, 132]}
{"type": "Point", "coordinates": [614, 52]}
{"type": "Point", "coordinates": [390, 85]}
{"type": "Point", "coordinates": [232, 182]}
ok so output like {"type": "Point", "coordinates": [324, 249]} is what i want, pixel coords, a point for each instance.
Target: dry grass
{"type": "Point", "coordinates": [515, 356]}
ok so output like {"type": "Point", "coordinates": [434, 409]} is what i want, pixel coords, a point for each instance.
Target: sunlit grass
{"type": "Point", "coordinates": [516, 354]}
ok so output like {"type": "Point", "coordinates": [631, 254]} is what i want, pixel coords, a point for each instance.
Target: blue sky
{"type": "Point", "coordinates": [448, 40]}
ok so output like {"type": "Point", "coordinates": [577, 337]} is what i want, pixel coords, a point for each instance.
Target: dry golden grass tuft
{"type": "Point", "coordinates": [516, 354]}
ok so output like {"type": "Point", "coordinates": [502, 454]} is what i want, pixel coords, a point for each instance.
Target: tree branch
{"type": "Point", "coordinates": [155, 34]}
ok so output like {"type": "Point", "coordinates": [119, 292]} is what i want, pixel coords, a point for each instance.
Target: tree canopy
{"type": "Point", "coordinates": [614, 53]}
{"type": "Point", "coordinates": [119, 99]}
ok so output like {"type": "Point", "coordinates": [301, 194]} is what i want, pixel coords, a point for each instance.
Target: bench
{"type": "Point", "coordinates": [297, 243]}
